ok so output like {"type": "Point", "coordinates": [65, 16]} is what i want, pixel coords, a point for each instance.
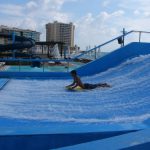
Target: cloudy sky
{"type": "Point", "coordinates": [96, 21]}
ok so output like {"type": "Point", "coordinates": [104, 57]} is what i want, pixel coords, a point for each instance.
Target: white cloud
{"type": "Point", "coordinates": [34, 14]}
{"type": "Point", "coordinates": [118, 13]}
{"type": "Point", "coordinates": [105, 3]}
{"type": "Point", "coordinates": [32, 5]}
{"type": "Point", "coordinates": [136, 6]}
{"type": "Point", "coordinates": [147, 13]}
{"type": "Point", "coordinates": [12, 10]}
{"type": "Point", "coordinates": [136, 12]}
{"type": "Point", "coordinates": [133, 15]}
{"type": "Point", "coordinates": [91, 29]}
{"type": "Point", "coordinates": [28, 23]}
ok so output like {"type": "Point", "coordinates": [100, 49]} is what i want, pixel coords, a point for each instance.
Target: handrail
{"type": "Point", "coordinates": [123, 35]}
{"type": "Point", "coordinates": [103, 44]}
{"type": "Point", "coordinates": [35, 60]}
{"type": "Point", "coordinates": [141, 31]}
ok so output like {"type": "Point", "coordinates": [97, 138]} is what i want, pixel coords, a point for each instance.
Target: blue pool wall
{"type": "Point", "coordinates": [114, 58]}
{"type": "Point", "coordinates": [3, 82]}
{"type": "Point", "coordinates": [102, 64]}
{"type": "Point", "coordinates": [53, 141]}
{"type": "Point", "coordinates": [52, 75]}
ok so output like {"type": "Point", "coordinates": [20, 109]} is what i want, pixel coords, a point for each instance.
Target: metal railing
{"type": "Point", "coordinates": [97, 50]}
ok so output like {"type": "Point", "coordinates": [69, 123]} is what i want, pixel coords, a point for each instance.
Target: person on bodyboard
{"type": "Point", "coordinates": [78, 83]}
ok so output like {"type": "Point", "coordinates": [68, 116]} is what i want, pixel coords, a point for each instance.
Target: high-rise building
{"type": "Point", "coordinates": [60, 32]}
{"type": "Point", "coordinates": [21, 32]}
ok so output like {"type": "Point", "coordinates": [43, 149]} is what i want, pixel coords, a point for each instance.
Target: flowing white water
{"type": "Point", "coordinates": [127, 101]}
